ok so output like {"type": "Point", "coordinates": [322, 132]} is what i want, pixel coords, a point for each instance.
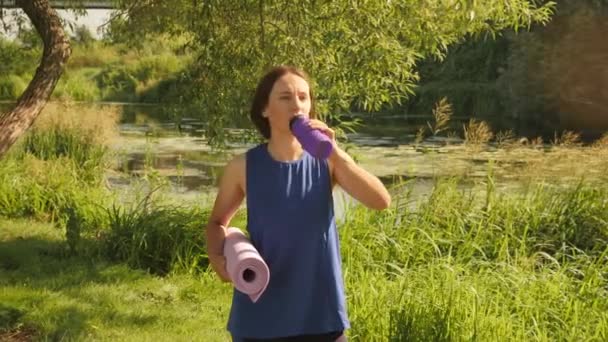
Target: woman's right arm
{"type": "Point", "coordinates": [229, 197]}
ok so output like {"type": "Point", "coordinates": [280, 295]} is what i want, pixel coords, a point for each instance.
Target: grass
{"type": "Point", "coordinates": [61, 297]}
{"type": "Point", "coordinates": [98, 71]}
{"type": "Point", "coordinates": [455, 267]}
{"type": "Point", "coordinates": [83, 268]}
{"type": "Point", "coordinates": [76, 263]}
{"type": "Point", "coordinates": [477, 132]}
{"type": "Point", "coordinates": [58, 165]}
{"type": "Point", "coordinates": [160, 239]}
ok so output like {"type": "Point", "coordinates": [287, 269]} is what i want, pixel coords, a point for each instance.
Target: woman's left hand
{"type": "Point", "coordinates": [322, 126]}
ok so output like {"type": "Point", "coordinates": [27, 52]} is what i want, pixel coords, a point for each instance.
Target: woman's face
{"type": "Point", "coordinates": [290, 95]}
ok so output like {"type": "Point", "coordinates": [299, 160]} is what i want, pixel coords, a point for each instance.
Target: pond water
{"type": "Point", "coordinates": [152, 142]}
{"type": "Point", "coordinates": [385, 146]}
{"type": "Point", "coordinates": [178, 151]}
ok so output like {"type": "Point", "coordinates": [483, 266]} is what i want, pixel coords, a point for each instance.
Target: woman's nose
{"type": "Point", "coordinates": [296, 105]}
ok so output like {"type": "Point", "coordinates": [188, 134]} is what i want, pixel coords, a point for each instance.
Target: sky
{"type": "Point", "coordinates": [92, 20]}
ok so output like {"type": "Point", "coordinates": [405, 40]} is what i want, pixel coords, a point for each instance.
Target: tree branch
{"type": "Point", "coordinates": [262, 43]}
{"type": "Point", "coordinates": [55, 55]}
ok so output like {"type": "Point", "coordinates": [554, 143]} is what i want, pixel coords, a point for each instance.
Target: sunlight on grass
{"type": "Point", "coordinates": [100, 123]}
{"type": "Point", "coordinates": [457, 265]}
{"type": "Point", "coordinates": [63, 297]}
{"type": "Point", "coordinates": [472, 259]}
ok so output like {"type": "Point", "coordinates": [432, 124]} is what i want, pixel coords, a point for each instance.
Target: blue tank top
{"type": "Point", "coordinates": [290, 220]}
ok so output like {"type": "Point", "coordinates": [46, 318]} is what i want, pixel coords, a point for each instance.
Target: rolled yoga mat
{"type": "Point", "coordinates": [246, 268]}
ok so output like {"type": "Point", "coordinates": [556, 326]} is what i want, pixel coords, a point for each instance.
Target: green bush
{"type": "Point", "coordinates": [117, 83]}
{"type": "Point", "coordinates": [77, 86]}
{"type": "Point", "coordinates": [16, 59]}
{"type": "Point", "coordinates": [11, 87]}
{"type": "Point", "coordinates": [469, 228]}
{"type": "Point", "coordinates": [159, 238]}
{"type": "Point", "coordinates": [169, 90]}
{"type": "Point", "coordinates": [9, 317]}
{"type": "Point", "coordinates": [88, 156]}
{"type": "Point", "coordinates": [94, 55]}
{"type": "Point", "coordinates": [157, 67]}
{"type": "Point", "coordinates": [47, 189]}
{"type": "Point", "coordinates": [55, 174]}
{"type": "Point", "coordinates": [470, 266]}
{"type": "Point", "coordinates": [132, 82]}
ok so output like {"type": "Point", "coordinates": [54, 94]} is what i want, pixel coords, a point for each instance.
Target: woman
{"type": "Point", "coordinates": [290, 219]}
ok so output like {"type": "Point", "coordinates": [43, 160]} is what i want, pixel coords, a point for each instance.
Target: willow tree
{"type": "Point", "coordinates": [54, 57]}
{"type": "Point", "coordinates": [360, 53]}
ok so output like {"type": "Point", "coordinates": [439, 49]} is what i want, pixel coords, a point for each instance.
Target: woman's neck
{"type": "Point", "coordinates": [284, 147]}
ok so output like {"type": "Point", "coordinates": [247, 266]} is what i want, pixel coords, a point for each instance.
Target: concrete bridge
{"type": "Point", "coordinates": [108, 4]}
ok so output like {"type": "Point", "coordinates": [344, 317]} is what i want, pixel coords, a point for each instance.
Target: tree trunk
{"type": "Point", "coordinates": [56, 53]}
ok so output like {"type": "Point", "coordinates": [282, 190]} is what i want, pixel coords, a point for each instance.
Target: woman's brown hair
{"type": "Point", "coordinates": [262, 92]}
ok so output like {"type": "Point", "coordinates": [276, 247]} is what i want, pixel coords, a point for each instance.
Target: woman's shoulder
{"type": "Point", "coordinates": [237, 162]}
{"type": "Point", "coordinates": [234, 171]}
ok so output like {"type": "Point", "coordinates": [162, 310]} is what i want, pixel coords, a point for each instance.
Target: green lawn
{"type": "Point", "coordinates": [456, 266]}
{"type": "Point", "coordinates": [44, 290]}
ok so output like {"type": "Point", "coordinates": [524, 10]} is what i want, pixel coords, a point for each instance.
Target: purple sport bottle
{"type": "Point", "coordinates": [313, 141]}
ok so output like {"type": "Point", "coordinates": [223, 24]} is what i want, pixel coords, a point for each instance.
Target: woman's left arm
{"type": "Point", "coordinates": [357, 182]}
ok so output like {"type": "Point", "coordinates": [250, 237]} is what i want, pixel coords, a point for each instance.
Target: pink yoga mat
{"type": "Point", "coordinates": [246, 268]}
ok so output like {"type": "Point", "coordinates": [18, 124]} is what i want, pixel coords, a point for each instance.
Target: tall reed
{"type": "Point", "coordinates": [470, 266]}
{"type": "Point", "coordinates": [158, 238]}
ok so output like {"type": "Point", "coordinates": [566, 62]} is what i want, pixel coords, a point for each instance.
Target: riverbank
{"type": "Point", "coordinates": [81, 259]}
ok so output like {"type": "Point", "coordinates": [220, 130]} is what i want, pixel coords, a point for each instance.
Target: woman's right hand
{"type": "Point", "coordinates": [218, 263]}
